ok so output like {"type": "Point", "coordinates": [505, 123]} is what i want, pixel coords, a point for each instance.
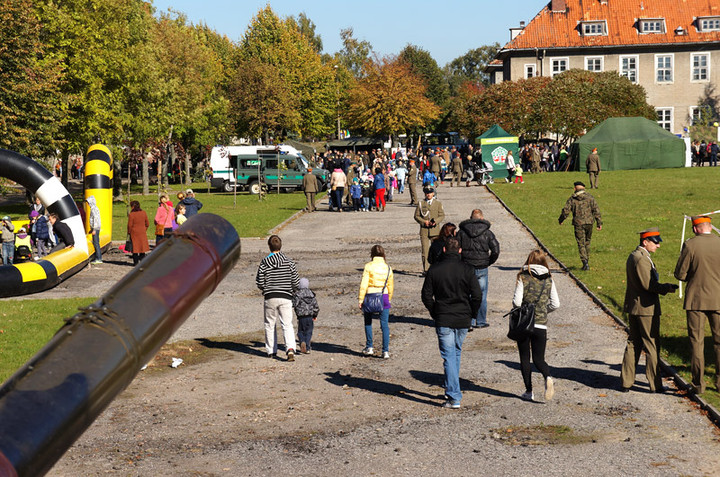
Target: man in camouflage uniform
{"type": "Point", "coordinates": [585, 211]}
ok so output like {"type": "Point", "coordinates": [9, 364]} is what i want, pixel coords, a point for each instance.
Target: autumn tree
{"type": "Point", "coordinates": [423, 65]}
{"type": "Point", "coordinates": [262, 103]}
{"type": "Point", "coordinates": [307, 29]}
{"type": "Point", "coordinates": [31, 104]}
{"type": "Point", "coordinates": [279, 43]}
{"type": "Point", "coordinates": [390, 98]}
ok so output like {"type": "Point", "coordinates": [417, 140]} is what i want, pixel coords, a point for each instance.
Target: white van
{"type": "Point", "coordinates": [255, 163]}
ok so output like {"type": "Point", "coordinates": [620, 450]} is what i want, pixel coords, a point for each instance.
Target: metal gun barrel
{"type": "Point", "coordinates": [49, 402]}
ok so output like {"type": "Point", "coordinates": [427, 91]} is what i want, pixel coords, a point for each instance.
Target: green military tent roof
{"type": "Point", "coordinates": [495, 132]}
{"type": "Point", "coordinates": [631, 143]}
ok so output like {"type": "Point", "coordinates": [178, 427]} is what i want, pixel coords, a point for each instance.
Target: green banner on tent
{"type": "Point", "coordinates": [498, 140]}
{"type": "Point", "coordinates": [495, 144]}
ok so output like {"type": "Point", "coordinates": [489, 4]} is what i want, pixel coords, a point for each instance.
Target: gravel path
{"type": "Point", "coordinates": [334, 412]}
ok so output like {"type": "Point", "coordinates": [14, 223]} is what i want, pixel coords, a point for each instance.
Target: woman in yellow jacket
{"type": "Point", "coordinates": [377, 278]}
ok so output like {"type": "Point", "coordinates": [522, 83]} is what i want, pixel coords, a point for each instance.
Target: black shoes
{"type": "Point", "coordinates": [585, 266]}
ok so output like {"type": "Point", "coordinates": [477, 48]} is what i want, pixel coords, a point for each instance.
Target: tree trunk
{"type": "Point", "coordinates": [188, 179]}
{"type": "Point", "coordinates": [146, 173]}
{"type": "Point", "coordinates": [64, 155]}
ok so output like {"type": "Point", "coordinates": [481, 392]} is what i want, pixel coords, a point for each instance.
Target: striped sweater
{"type": "Point", "coordinates": [277, 276]}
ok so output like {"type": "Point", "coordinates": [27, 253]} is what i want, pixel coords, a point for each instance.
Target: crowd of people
{"type": "Point", "coordinates": [703, 152]}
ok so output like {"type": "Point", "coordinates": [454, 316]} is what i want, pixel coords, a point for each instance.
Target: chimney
{"type": "Point", "coordinates": [558, 6]}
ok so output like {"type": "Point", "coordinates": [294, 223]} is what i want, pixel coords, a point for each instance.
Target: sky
{"type": "Point", "coordinates": [446, 29]}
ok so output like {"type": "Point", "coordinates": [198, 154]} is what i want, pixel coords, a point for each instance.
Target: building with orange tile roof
{"type": "Point", "coordinates": [670, 47]}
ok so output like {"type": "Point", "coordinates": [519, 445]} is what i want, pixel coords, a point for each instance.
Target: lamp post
{"type": "Point", "coordinates": [718, 130]}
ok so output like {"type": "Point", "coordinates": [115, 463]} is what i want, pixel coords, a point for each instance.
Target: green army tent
{"type": "Point", "coordinates": [495, 144]}
{"type": "Point", "coordinates": [631, 143]}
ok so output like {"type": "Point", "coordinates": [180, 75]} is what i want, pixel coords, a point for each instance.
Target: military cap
{"type": "Point", "coordinates": [699, 219]}
{"type": "Point", "coordinates": [652, 234]}
{"type": "Point", "coordinates": [428, 189]}
{"type": "Point", "coordinates": [578, 183]}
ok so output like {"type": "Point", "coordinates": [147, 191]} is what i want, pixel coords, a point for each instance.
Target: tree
{"type": "Point", "coordinates": [279, 43]}
{"type": "Point", "coordinates": [389, 99]}
{"type": "Point", "coordinates": [423, 65]}
{"type": "Point", "coordinates": [307, 29]}
{"type": "Point", "coordinates": [704, 125]}
{"type": "Point", "coordinates": [354, 54]}
{"type": "Point", "coordinates": [31, 104]}
{"type": "Point", "coordinates": [470, 67]}
{"type": "Point", "coordinates": [262, 103]}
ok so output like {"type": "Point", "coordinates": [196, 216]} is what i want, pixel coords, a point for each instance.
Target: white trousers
{"type": "Point", "coordinates": [279, 308]}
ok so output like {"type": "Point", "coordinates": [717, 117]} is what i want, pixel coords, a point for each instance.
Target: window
{"type": "Point", "coordinates": [663, 68]}
{"type": "Point", "coordinates": [629, 68]}
{"type": "Point", "coordinates": [709, 24]}
{"type": "Point", "coordinates": [529, 70]}
{"type": "Point", "coordinates": [593, 28]}
{"type": "Point", "coordinates": [700, 65]}
{"type": "Point", "coordinates": [664, 118]}
{"type": "Point", "coordinates": [594, 63]}
{"type": "Point", "coordinates": [559, 65]}
{"type": "Point", "coordinates": [656, 25]}
{"type": "Point", "coordinates": [694, 114]}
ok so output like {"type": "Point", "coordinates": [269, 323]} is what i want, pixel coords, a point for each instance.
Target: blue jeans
{"type": "Point", "coordinates": [450, 341]}
{"type": "Point", "coordinates": [482, 277]}
{"type": "Point", "coordinates": [305, 329]}
{"type": "Point", "coordinates": [8, 253]}
{"type": "Point", "coordinates": [384, 317]}
{"type": "Point", "coordinates": [96, 245]}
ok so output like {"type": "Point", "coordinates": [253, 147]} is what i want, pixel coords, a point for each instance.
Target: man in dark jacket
{"type": "Point", "coordinates": [452, 296]}
{"type": "Point", "coordinates": [480, 249]}
{"type": "Point", "coordinates": [192, 205]}
{"type": "Point", "coordinates": [63, 232]}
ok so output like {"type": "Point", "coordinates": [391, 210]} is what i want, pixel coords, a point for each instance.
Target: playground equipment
{"type": "Point", "coordinates": [33, 277]}
{"type": "Point", "coordinates": [49, 402]}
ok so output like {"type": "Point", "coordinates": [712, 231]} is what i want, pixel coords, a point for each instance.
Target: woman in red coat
{"type": "Point", "coordinates": [137, 229]}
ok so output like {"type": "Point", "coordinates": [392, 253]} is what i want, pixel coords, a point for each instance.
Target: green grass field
{"type": "Point", "coordinates": [250, 216]}
{"type": "Point", "coordinates": [629, 201]}
{"type": "Point", "coordinates": [26, 325]}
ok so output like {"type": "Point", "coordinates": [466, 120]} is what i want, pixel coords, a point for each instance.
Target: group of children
{"type": "Point", "coordinates": [36, 235]}
{"type": "Point", "coordinates": [362, 190]}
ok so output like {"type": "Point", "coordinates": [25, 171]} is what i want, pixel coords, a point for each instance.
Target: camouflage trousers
{"type": "Point", "coordinates": [583, 235]}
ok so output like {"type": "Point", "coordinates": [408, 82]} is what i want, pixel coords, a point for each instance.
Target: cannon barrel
{"type": "Point", "coordinates": [49, 402]}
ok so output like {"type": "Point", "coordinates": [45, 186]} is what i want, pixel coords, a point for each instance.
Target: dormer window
{"type": "Point", "coordinates": [653, 25]}
{"type": "Point", "coordinates": [709, 23]}
{"type": "Point", "coordinates": [594, 28]}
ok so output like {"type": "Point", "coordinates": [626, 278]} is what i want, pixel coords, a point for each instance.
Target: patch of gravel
{"type": "Point", "coordinates": [334, 412]}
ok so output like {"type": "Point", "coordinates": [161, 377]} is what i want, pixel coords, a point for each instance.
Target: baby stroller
{"type": "Point", "coordinates": [482, 174]}
{"type": "Point", "coordinates": [23, 254]}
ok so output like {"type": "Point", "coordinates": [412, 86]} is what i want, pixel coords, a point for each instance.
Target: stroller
{"type": "Point", "coordinates": [482, 174]}
{"type": "Point", "coordinates": [23, 254]}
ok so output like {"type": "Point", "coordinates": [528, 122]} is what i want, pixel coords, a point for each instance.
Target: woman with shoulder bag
{"type": "Point", "coordinates": [137, 231]}
{"type": "Point", "coordinates": [535, 285]}
{"type": "Point", "coordinates": [164, 217]}
{"type": "Point", "coordinates": [376, 291]}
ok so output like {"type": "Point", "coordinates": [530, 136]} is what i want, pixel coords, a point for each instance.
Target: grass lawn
{"type": "Point", "coordinates": [629, 201]}
{"type": "Point", "coordinates": [250, 216]}
{"type": "Point", "coordinates": [26, 325]}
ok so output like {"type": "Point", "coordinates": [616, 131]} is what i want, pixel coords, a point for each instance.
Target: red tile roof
{"type": "Point", "coordinates": [560, 29]}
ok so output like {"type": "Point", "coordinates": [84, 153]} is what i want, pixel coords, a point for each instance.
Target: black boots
{"type": "Point", "coordinates": [585, 265]}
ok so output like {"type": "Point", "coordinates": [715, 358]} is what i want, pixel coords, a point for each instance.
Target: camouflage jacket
{"type": "Point", "coordinates": [584, 209]}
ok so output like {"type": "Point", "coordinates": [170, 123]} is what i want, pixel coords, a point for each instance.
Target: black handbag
{"type": "Point", "coordinates": [373, 302]}
{"type": "Point", "coordinates": [522, 319]}
{"type": "Point", "coordinates": [128, 245]}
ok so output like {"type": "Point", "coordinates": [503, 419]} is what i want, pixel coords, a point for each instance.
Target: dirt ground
{"type": "Point", "coordinates": [230, 410]}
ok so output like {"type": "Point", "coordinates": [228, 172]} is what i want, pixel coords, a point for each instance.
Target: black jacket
{"type": "Point", "coordinates": [479, 246]}
{"type": "Point", "coordinates": [451, 292]}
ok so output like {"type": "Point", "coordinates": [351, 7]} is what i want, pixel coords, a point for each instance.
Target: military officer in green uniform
{"type": "Point", "coordinates": [699, 266]}
{"type": "Point", "coordinates": [642, 303]}
{"type": "Point", "coordinates": [430, 215]}
{"type": "Point", "coordinates": [592, 164]}
{"type": "Point", "coordinates": [412, 182]}
{"type": "Point", "coordinates": [585, 211]}
{"type": "Point", "coordinates": [457, 170]}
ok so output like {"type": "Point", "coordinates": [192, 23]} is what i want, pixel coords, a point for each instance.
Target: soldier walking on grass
{"type": "Point", "coordinates": [585, 211]}
{"type": "Point", "coordinates": [592, 164]}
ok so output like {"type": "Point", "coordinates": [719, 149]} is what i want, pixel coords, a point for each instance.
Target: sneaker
{"type": "Point", "coordinates": [528, 396]}
{"type": "Point", "coordinates": [483, 325]}
{"type": "Point", "coordinates": [303, 348]}
{"type": "Point", "coordinates": [96, 262]}
{"type": "Point", "coordinates": [549, 388]}
{"type": "Point", "coordinates": [368, 352]}
{"type": "Point", "coordinates": [451, 405]}
{"type": "Point", "coordinates": [291, 355]}
{"type": "Point", "coordinates": [272, 355]}
{"type": "Point", "coordinates": [386, 355]}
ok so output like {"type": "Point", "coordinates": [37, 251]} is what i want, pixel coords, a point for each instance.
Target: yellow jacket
{"type": "Point", "coordinates": [374, 277]}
